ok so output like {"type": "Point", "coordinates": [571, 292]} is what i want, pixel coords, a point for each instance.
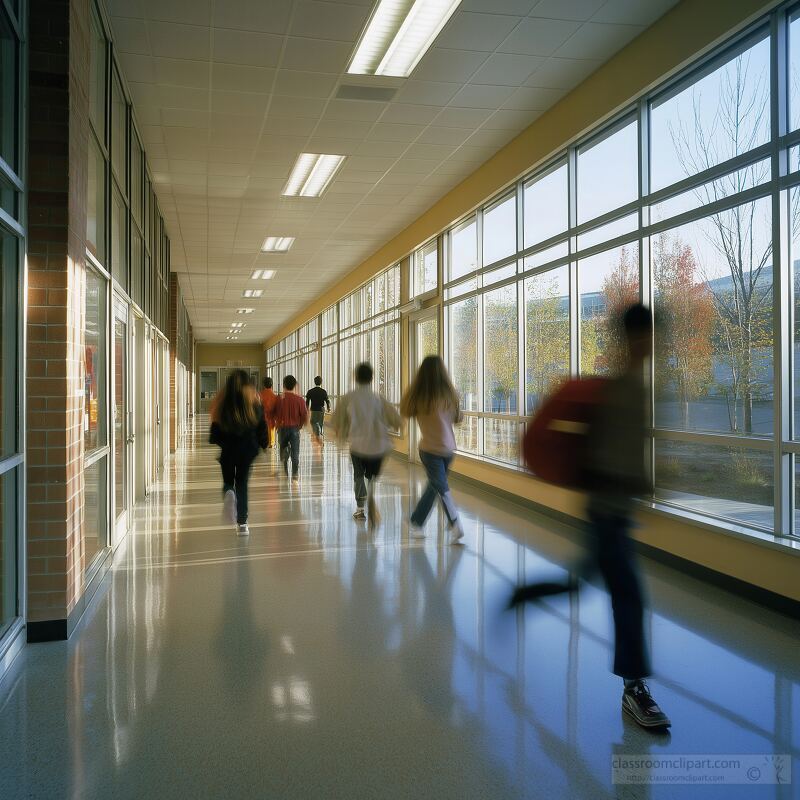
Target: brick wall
{"type": "Point", "coordinates": [58, 165]}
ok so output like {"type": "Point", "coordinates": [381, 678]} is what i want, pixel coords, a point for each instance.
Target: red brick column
{"type": "Point", "coordinates": [172, 325]}
{"type": "Point", "coordinates": [58, 168]}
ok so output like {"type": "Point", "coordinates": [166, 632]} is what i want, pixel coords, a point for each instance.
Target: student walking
{"type": "Point", "coordinates": [433, 401]}
{"type": "Point", "coordinates": [239, 429]}
{"type": "Point", "coordinates": [269, 401]}
{"type": "Point", "coordinates": [364, 419]}
{"type": "Point", "coordinates": [316, 400]}
{"type": "Point", "coordinates": [616, 473]}
{"type": "Point", "coordinates": [291, 414]}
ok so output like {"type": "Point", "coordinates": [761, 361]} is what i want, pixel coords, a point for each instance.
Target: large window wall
{"type": "Point", "coordinates": [12, 247]}
{"type": "Point", "coordinates": [363, 326]}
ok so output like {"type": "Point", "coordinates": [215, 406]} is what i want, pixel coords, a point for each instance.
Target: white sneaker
{"type": "Point", "coordinates": [229, 507]}
{"type": "Point", "coordinates": [243, 530]}
{"type": "Point", "coordinates": [415, 532]}
{"type": "Point", "coordinates": [456, 532]}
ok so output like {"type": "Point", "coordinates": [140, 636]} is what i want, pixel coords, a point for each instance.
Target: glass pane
{"type": "Point", "coordinates": [498, 275]}
{"type": "Point", "coordinates": [95, 536]}
{"type": "Point", "coordinates": [500, 230]}
{"type": "Point", "coordinates": [730, 482]}
{"type": "Point", "coordinates": [9, 310]}
{"type": "Point", "coordinates": [120, 409]}
{"type": "Point", "coordinates": [608, 172]}
{"type": "Point", "coordinates": [426, 275]}
{"type": "Point", "coordinates": [463, 249]}
{"type": "Point", "coordinates": [463, 345]}
{"type": "Point", "coordinates": [96, 203]}
{"type": "Point", "coordinates": [137, 291]}
{"type": "Point", "coordinates": [501, 370]}
{"type": "Point", "coordinates": [724, 114]}
{"type": "Point", "coordinates": [119, 236]}
{"type": "Point", "coordinates": [619, 227]}
{"type": "Point", "coordinates": [546, 206]}
{"type": "Point", "coordinates": [735, 182]}
{"type": "Point", "coordinates": [469, 285]}
{"type": "Point", "coordinates": [794, 197]}
{"type": "Point", "coordinates": [427, 338]}
{"type": "Point", "coordinates": [713, 316]}
{"type": "Point", "coordinates": [119, 123]}
{"type": "Point", "coordinates": [608, 283]}
{"type": "Point", "coordinates": [557, 251]}
{"type": "Point", "coordinates": [136, 178]}
{"type": "Point", "coordinates": [501, 439]}
{"type": "Point", "coordinates": [546, 334]}
{"type": "Point", "coordinates": [467, 435]}
{"type": "Point", "coordinates": [8, 548]}
{"type": "Point", "coordinates": [380, 293]}
{"type": "Point", "coordinates": [9, 90]}
{"type": "Point", "coordinates": [393, 287]}
{"type": "Point", "coordinates": [97, 77]}
{"type": "Point", "coordinates": [94, 410]}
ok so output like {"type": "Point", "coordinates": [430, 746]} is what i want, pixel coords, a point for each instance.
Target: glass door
{"type": "Point", "coordinates": [120, 422]}
{"type": "Point", "coordinates": [424, 342]}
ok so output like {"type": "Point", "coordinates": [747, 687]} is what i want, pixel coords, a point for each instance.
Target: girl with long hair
{"type": "Point", "coordinates": [239, 428]}
{"type": "Point", "coordinates": [433, 401]}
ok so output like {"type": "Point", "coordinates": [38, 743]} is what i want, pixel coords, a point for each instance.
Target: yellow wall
{"type": "Point", "coordinates": [210, 354]}
{"type": "Point", "coordinates": [690, 28]}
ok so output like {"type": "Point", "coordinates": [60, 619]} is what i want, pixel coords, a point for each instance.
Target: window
{"type": "Point", "coordinates": [713, 312]}
{"type": "Point", "coordinates": [720, 116]}
{"type": "Point", "coordinates": [500, 230]}
{"type": "Point", "coordinates": [463, 356]}
{"type": "Point", "coordinates": [463, 249]}
{"type": "Point", "coordinates": [501, 371]}
{"type": "Point", "coordinates": [425, 275]}
{"type": "Point", "coordinates": [9, 93]}
{"type": "Point", "coordinates": [546, 206]}
{"type": "Point", "coordinates": [95, 533]}
{"type": "Point", "coordinates": [608, 283]}
{"type": "Point", "coordinates": [608, 172]}
{"type": "Point", "coordinates": [547, 334]}
{"type": "Point", "coordinates": [97, 76]}
{"type": "Point", "coordinates": [9, 294]}
{"type": "Point", "coordinates": [137, 157]}
{"type": "Point", "coordinates": [96, 202]}
{"type": "Point", "coordinates": [119, 239]}
{"type": "Point", "coordinates": [8, 548]}
{"type": "Point", "coordinates": [95, 399]}
{"type": "Point", "coordinates": [119, 126]}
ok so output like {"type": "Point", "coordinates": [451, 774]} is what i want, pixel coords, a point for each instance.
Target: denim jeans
{"type": "Point", "coordinates": [235, 474]}
{"type": "Point", "coordinates": [289, 439]}
{"type": "Point", "coordinates": [317, 422]}
{"type": "Point", "coordinates": [436, 468]}
{"type": "Point", "coordinates": [364, 467]}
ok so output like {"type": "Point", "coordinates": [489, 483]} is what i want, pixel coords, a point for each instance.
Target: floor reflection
{"type": "Point", "coordinates": [317, 659]}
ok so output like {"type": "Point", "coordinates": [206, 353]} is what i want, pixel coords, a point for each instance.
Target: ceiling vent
{"type": "Point", "coordinates": [375, 94]}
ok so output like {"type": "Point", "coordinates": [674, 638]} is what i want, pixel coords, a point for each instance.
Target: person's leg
{"type": "Point", "coordinates": [228, 467]}
{"type": "Point", "coordinates": [437, 467]}
{"type": "Point", "coordinates": [294, 447]}
{"type": "Point", "coordinates": [242, 479]}
{"type": "Point", "coordinates": [359, 487]}
{"type": "Point", "coordinates": [425, 503]}
{"type": "Point", "coordinates": [283, 448]}
{"type": "Point", "coordinates": [372, 470]}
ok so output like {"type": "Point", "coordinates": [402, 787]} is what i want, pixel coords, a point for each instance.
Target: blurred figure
{"type": "Point", "coordinates": [269, 402]}
{"type": "Point", "coordinates": [316, 400]}
{"type": "Point", "coordinates": [433, 401]}
{"type": "Point", "coordinates": [617, 472]}
{"type": "Point", "coordinates": [239, 429]}
{"type": "Point", "coordinates": [291, 415]}
{"type": "Point", "coordinates": [364, 419]}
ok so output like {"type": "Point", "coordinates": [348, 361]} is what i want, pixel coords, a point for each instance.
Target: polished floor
{"type": "Point", "coordinates": [314, 660]}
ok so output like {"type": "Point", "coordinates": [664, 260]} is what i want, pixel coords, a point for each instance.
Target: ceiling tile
{"type": "Point", "coordinates": [632, 12]}
{"type": "Point", "coordinates": [354, 110]}
{"type": "Point", "coordinates": [241, 78]}
{"type": "Point", "coordinates": [428, 93]}
{"type": "Point", "coordinates": [394, 132]}
{"type": "Point", "coordinates": [304, 84]}
{"type": "Point", "coordinates": [597, 40]}
{"type": "Point", "coordinates": [240, 103]}
{"type": "Point", "coordinates": [562, 73]}
{"type": "Point", "coordinates": [246, 47]}
{"type": "Point", "coordinates": [476, 32]}
{"type": "Point", "coordinates": [282, 106]}
{"type": "Point", "coordinates": [516, 7]}
{"type": "Point", "coordinates": [448, 136]}
{"type": "Point", "coordinates": [482, 96]}
{"type": "Point", "coordinates": [325, 20]}
{"type": "Point", "coordinates": [181, 72]}
{"type": "Point", "coordinates": [526, 98]}
{"type": "Point", "coordinates": [453, 117]}
{"type": "Point", "coordinates": [573, 9]}
{"type": "Point", "coordinates": [315, 55]}
{"type": "Point", "coordinates": [538, 37]}
{"type": "Point", "coordinates": [192, 12]}
{"type": "Point", "coordinates": [448, 65]}
{"type": "Point", "coordinates": [506, 69]}
{"type": "Point", "coordinates": [130, 36]}
{"type": "Point", "coordinates": [170, 40]}
{"type": "Point", "coordinates": [137, 68]}
{"type": "Point", "coordinates": [264, 17]}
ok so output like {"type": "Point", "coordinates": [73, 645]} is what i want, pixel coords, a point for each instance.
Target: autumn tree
{"type": "Point", "coordinates": [620, 290]}
{"type": "Point", "coordinates": [685, 323]}
{"type": "Point", "coordinates": [500, 346]}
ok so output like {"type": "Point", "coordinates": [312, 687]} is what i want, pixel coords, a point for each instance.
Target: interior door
{"type": "Point", "coordinates": [424, 342]}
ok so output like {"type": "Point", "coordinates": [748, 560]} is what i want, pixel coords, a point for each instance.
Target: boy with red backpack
{"type": "Point", "coordinates": [612, 431]}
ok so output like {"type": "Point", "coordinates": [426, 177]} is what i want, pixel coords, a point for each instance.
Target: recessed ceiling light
{"type": "Point", "coordinates": [398, 34]}
{"type": "Point", "coordinates": [252, 292]}
{"type": "Point", "coordinates": [277, 244]}
{"type": "Point", "coordinates": [262, 274]}
{"type": "Point", "coordinates": [230, 338]}
{"type": "Point", "coordinates": [238, 324]}
{"type": "Point", "coordinates": [311, 174]}
{"type": "Point", "coordinates": [245, 310]}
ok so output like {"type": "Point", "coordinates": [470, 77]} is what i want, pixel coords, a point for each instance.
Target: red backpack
{"type": "Point", "coordinates": [555, 445]}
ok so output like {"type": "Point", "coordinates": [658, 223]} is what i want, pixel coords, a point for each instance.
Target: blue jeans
{"type": "Point", "coordinates": [289, 440]}
{"type": "Point", "coordinates": [436, 468]}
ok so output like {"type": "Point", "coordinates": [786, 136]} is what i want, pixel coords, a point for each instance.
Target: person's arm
{"type": "Point", "coordinates": [328, 402]}
{"type": "Point", "coordinates": [393, 420]}
{"type": "Point", "coordinates": [308, 399]}
{"type": "Point", "coordinates": [303, 415]}
{"type": "Point", "coordinates": [261, 430]}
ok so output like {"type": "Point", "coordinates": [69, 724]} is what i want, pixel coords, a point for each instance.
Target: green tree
{"type": "Point", "coordinates": [500, 345]}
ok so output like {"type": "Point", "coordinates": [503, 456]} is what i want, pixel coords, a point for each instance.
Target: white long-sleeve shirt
{"type": "Point", "coordinates": [364, 419]}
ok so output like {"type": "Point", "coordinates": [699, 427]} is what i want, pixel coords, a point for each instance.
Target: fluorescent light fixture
{"type": "Point", "coordinates": [277, 244]}
{"type": "Point", "coordinates": [245, 310]}
{"type": "Point", "coordinates": [238, 324]}
{"type": "Point", "coordinates": [262, 274]}
{"type": "Point", "coordinates": [252, 292]}
{"type": "Point", "coordinates": [230, 338]}
{"type": "Point", "coordinates": [311, 174]}
{"type": "Point", "coordinates": [398, 34]}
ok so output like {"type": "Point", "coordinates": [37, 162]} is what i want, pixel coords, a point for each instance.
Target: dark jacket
{"type": "Point", "coordinates": [243, 443]}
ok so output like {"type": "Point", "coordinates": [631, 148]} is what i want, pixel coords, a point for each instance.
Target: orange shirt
{"type": "Point", "coordinates": [269, 400]}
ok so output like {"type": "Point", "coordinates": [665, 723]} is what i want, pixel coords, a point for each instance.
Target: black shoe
{"type": "Point", "coordinates": [535, 591]}
{"type": "Point", "coordinates": [638, 702]}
